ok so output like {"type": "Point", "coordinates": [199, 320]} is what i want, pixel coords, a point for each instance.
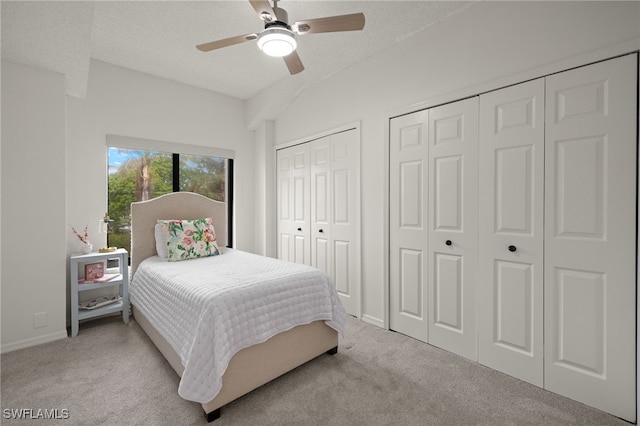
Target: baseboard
{"type": "Point", "coordinates": [373, 321]}
{"type": "Point", "coordinates": [34, 341]}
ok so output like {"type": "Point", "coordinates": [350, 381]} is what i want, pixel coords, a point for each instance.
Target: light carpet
{"type": "Point", "coordinates": [111, 374]}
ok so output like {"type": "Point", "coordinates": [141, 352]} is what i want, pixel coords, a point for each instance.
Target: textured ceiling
{"type": "Point", "coordinates": [159, 38]}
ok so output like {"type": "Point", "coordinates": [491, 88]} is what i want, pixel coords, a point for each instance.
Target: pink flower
{"type": "Point", "coordinates": [84, 237]}
{"type": "Point", "coordinates": [188, 232]}
{"type": "Point", "coordinates": [209, 235]}
{"type": "Point", "coordinates": [187, 242]}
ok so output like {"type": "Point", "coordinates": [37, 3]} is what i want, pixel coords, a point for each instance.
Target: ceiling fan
{"type": "Point", "coordinates": [279, 38]}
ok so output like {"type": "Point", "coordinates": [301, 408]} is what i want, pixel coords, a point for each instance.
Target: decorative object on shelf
{"type": "Point", "coordinates": [93, 271]}
{"type": "Point", "coordinates": [96, 303]}
{"type": "Point", "coordinates": [84, 238]}
{"type": "Point", "coordinates": [105, 226]}
{"type": "Point", "coordinates": [102, 280]}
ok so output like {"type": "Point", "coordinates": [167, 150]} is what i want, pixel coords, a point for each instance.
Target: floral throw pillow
{"type": "Point", "coordinates": [161, 233]}
{"type": "Point", "coordinates": [190, 239]}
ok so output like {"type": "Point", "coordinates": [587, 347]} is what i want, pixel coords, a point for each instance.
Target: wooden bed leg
{"type": "Point", "coordinates": [215, 414]}
{"type": "Point", "coordinates": [333, 351]}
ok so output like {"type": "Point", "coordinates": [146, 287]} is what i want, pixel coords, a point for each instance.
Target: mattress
{"type": "Point", "coordinates": [210, 308]}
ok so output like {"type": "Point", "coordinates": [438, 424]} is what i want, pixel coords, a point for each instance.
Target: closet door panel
{"type": "Point", "coordinates": [342, 268]}
{"type": "Point", "coordinates": [580, 187]}
{"type": "Point", "coordinates": [453, 226]}
{"type": "Point", "coordinates": [510, 290]}
{"type": "Point", "coordinates": [345, 217]}
{"type": "Point", "coordinates": [514, 191]}
{"type": "Point", "coordinates": [300, 200]}
{"type": "Point", "coordinates": [293, 193]}
{"type": "Point", "coordinates": [285, 223]}
{"type": "Point", "coordinates": [321, 204]}
{"type": "Point", "coordinates": [513, 324]}
{"type": "Point", "coordinates": [448, 293]}
{"type": "Point", "coordinates": [408, 261]}
{"type": "Point", "coordinates": [590, 235]}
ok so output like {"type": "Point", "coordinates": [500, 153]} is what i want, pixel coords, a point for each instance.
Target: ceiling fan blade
{"type": "Point", "coordinates": [263, 7]}
{"type": "Point", "coordinates": [293, 63]}
{"type": "Point", "coordinates": [212, 45]}
{"type": "Point", "coordinates": [352, 22]}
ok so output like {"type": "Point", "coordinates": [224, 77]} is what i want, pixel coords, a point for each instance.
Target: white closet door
{"type": "Point", "coordinates": [345, 217]}
{"type": "Point", "coordinates": [293, 204]}
{"type": "Point", "coordinates": [284, 161]}
{"type": "Point", "coordinates": [301, 205]}
{"type": "Point", "coordinates": [408, 225]}
{"type": "Point", "coordinates": [319, 209]}
{"type": "Point", "coordinates": [590, 235]}
{"type": "Point", "coordinates": [510, 290]}
{"type": "Point", "coordinates": [453, 226]}
{"type": "Point", "coordinates": [321, 204]}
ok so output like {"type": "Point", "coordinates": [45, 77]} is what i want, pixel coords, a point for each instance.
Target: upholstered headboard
{"type": "Point", "coordinates": [177, 205]}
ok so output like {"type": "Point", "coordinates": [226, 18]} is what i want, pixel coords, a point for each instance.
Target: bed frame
{"type": "Point", "coordinates": [251, 367]}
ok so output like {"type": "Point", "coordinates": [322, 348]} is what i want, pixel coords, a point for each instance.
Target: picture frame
{"type": "Point", "coordinates": [94, 270]}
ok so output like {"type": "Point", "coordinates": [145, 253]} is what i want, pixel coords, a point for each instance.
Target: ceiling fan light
{"type": "Point", "coordinates": [277, 41]}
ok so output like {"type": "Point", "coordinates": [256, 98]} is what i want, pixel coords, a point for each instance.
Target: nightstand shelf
{"type": "Point", "coordinates": [110, 283]}
{"type": "Point", "coordinates": [102, 310]}
{"type": "Point", "coordinates": [121, 281]}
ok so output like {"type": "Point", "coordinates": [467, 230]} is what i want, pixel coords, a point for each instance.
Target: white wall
{"type": "Point", "coordinates": [491, 45]}
{"type": "Point", "coordinates": [129, 103]}
{"type": "Point", "coordinates": [72, 189]}
{"type": "Point", "coordinates": [265, 218]}
{"type": "Point", "coordinates": [33, 206]}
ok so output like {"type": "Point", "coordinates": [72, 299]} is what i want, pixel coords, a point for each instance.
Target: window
{"type": "Point", "coordinates": [139, 174]}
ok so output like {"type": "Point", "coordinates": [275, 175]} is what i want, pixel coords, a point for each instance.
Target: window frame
{"type": "Point", "coordinates": [177, 149]}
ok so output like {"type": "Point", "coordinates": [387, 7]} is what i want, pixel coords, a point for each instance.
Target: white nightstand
{"type": "Point", "coordinates": [121, 280]}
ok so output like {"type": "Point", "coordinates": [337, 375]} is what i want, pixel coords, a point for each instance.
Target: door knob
{"type": "Point", "coordinates": [299, 229]}
{"type": "Point", "coordinates": [448, 242]}
{"type": "Point", "coordinates": [320, 230]}
{"type": "Point", "coordinates": [512, 248]}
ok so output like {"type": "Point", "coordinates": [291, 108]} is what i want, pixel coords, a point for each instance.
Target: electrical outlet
{"type": "Point", "coordinates": [40, 320]}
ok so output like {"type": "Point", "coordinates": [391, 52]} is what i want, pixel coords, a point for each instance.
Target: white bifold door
{"type": "Point", "coordinates": [408, 225]}
{"type": "Point", "coordinates": [513, 231]}
{"type": "Point", "coordinates": [590, 235]}
{"type": "Point", "coordinates": [294, 198]}
{"type": "Point", "coordinates": [433, 231]}
{"type": "Point", "coordinates": [510, 280]}
{"type": "Point", "coordinates": [453, 226]}
{"type": "Point", "coordinates": [319, 209]}
{"type": "Point", "coordinates": [557, 254]}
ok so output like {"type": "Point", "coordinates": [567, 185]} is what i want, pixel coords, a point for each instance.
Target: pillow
{"type": "Point", "coordinates": [162, 234]}
{"type": "Point", "coordinates": [189, 239]}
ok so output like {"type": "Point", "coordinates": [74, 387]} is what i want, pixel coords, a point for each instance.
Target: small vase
{"type": "Point", "coordinates": [87, 248]}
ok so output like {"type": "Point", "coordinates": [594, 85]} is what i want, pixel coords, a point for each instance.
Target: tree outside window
{"type": "Point", "coordinates": [139, 175]}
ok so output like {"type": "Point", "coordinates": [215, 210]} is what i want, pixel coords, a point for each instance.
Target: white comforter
{"type": "Point", "coordinates": [210, 308]}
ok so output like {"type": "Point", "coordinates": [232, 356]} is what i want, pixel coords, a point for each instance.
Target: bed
{"type": "Point", "coordinates": [249, 365]}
